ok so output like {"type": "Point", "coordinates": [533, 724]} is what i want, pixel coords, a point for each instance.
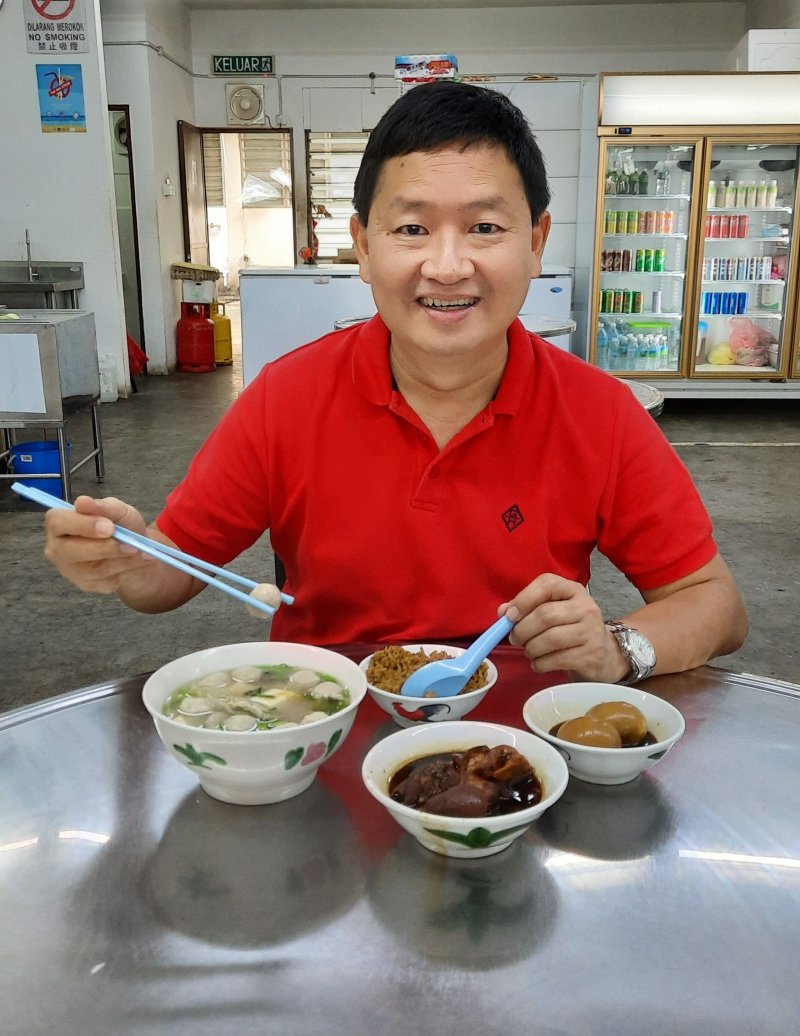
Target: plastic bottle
{"type": "Point", "coordinates": [761, 196]}
{"type": "Point", "coordinates": [602, 347]}
{"type": "Point", "coordinates": [752, 195]}
{"type": "Point", "coordinates": [720, 202]}
{"type": "Point", "coordinates": [730, 194]}
{"type": "Point", "coordinates": [712, 194]}
{"type": "Point", "coordinates": [741, 194]}
{"type": "Point", "coordinates": [772, 194]}
{"type": "Point", "coordinates": [644, 182]}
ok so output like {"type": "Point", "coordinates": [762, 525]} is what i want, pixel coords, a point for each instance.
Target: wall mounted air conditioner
{"type": "Point", "coordinates": [245, 104]}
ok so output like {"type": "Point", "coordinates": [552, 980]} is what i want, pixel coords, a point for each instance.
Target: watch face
{"type": "Point", "coordinates": [641, 648]}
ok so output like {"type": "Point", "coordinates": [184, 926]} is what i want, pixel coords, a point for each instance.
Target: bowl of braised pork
{"type": "Point", "coordinates": [464, 789]}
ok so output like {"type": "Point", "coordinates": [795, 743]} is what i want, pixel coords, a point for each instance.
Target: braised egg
{"type": "Point", "coordinates": [629, 721]}
{"type": "Point", "coordinates": [590, 730]}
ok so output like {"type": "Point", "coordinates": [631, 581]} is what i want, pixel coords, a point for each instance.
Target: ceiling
{"type": "Point", "coordinates": [274, 5]}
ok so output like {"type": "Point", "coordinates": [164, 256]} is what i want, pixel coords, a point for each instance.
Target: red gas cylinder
{"type": "Point", "coordinates": [195, 339]}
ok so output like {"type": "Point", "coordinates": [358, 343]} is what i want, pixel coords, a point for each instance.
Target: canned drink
{"type": "Point", "coordinates": [649, 221]}
{"type": "Point", "coordinates": [638, 264]}
{"type": "Point", "coordinates": [633, 222]}
{"type": "Point", "coordinates": [705, 301]}
{"type": "Point", "coordinates": [741, 302]}
{"type": "Point", "coordinates": [741, 268]}
{"type": "Point", "coordinates": [607, 300]}
{"type": "Point", "coordinates": [708, 227]}
{"type": "Point", "coordinates": [616, 261]}
{"type": "Point", "coordinates": [750, 269]}
{"type": "Point", "coordinates": [659, 222]}
{"type": "Point", "coordinates": [713, 272]}
{"type": "Point", "coordinates": [649, 256]}
{"type": "Point", "coordinates": [725, 306]}
{"type": "Point", "coordinates": [716, 302]}
{"type": "Point", "coordinates": [637, 302]}
{"type": "Point", "coordinates": [627, 301]}
{"type": "Point", "coordinates": [725, 226]}
{"type": "Point", "coordinates": [659, 260]}
{"type": "Point", "coordinates": [604, 261]}
{"type": "Point", "coordinates": [744, 222]}
{"type": "Point", "coordinates": [669, 221]}
{"type": "Point", "coordinates": [766, 267]}
{"type": "Point", "coordinates": [626, 260]}
{"type": "Point", "coordinates": [610, 221]}
{"type": "Point", "coordinates": [621, 224]}
{"type": "Point", "coordinates": [618, 300]}
{"type": "Point", "coordinates": [656, 303]}
{"type": "Point", "coordinates": [714, 231]}
{"type": "Point", "coordinates": [733, 230]}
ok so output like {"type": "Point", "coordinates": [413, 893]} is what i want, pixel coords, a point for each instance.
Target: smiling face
{"type": "Point", "coordinates": [450, 250]}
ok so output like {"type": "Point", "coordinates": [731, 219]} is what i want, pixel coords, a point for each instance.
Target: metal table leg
{"type": "Point", "coordinates": [99, 463]}
{"type": "Point", "coordinates": [65, 472]}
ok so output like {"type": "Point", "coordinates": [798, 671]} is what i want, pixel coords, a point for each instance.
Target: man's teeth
{"type": "Point", "coordinates": [448, 303]}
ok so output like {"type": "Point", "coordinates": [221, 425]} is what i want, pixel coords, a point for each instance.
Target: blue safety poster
{"type": "Point", "coordinates": [61, 103]}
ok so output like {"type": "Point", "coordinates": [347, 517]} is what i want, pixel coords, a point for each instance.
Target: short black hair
{"type": "Point", "coordinates": [443, 114]}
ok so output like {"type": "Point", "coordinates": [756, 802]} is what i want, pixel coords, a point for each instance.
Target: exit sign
{"type": "Point", "coordinates": [243, 65]}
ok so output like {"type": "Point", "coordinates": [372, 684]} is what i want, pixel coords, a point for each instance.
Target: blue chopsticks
{"type": "Point", "coordinates": [192, 566]}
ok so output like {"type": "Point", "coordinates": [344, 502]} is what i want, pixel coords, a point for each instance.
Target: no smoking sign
{"type": "Point", "coordinates": [55, 27]}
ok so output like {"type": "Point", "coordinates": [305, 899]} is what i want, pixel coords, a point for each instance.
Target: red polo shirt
{"type": "Point", "coordinates": [385, 537]}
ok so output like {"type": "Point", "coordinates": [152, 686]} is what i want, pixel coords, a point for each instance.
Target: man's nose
{"type": "Point", "coordinates": [447, 259]}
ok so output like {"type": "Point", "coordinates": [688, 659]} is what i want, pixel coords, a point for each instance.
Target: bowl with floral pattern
{"type": "Point", "coordinates": [407, 711]}
{"type": "Point", "coordinates": [469, 837]}
{"type": "Point", "coordinates": [200, 704]}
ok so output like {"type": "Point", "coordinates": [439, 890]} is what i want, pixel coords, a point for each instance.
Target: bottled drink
{"type": "Point", "coordinates": [761, 195]}
{"type": "Point", "coordinates": [741, 194]}
{"type": "Point", "coordinates": [602, 347]}
{"type": "Point", "coordinates": [730, 194]}
{"type": "Point", "coordinates": [752, 194]}
{"type": "Point", "coordinates": [772, 194]}
{"type": "Point", "coordinates": [644, 182]}
{"type": "Point", "coordinates": [712, 194]}
{"type": "Point", "coordinates": [720, 202]}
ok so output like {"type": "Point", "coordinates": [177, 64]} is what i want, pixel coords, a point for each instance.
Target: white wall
{"type": "Point", "coordinates": [60, 185]}
{"type": "Point", "coordinates": [159, 92]}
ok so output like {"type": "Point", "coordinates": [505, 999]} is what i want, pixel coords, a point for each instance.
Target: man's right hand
{"type": "Point", "coordinates": [80, 545]}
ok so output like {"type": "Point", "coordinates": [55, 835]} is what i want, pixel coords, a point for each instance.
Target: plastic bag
{"type": "Point", "coordinates": [747, 343]}
{"type": "Point", "coordinates": [255, 191]}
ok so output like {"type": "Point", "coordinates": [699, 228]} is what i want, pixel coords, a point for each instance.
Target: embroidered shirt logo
{"type": "Point", "coordinates": [513, 517]}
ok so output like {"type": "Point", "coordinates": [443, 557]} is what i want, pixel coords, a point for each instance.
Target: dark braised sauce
{"type": "Point", "coordinates": [513, 796]}
{"type": "Point", "coordinates": [648, 738]}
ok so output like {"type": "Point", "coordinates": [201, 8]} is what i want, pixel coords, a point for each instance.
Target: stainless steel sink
{"type": "Point", "coordinates": [56, 282]}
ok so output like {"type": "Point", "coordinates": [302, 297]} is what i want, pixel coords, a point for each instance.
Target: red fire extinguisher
{"type": "Point", "coordinates": [195, 339]}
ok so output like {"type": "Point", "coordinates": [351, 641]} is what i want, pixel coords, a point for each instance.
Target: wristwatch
{"type": "Point", "coordinates": [637, 649]}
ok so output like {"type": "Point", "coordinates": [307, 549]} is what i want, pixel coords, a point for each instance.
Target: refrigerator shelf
{"type": "Point", "coordinates": [748, 208]}
{"type": "Point", "coordinates": [733, 368]}
{"type": "Point", "coordinates": [649, 197]}
{"type": "Point", "coordinates": [642, 273]}
{"type": "Point", "coordinates": [759, 314]}
{"type": "Point", "coordinates": [743, 280]}
{"type": "Point", "coordinates": [651, 237]}
{"type": "Point", "coordinates": [765, 237]}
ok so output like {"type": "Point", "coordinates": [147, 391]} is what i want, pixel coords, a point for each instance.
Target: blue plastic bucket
{"type": "Point", "coordinates": [40, 458]}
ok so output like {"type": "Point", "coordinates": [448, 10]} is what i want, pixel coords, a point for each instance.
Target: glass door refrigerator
{"type": "Point", "coordinates": [748, 259]}
{"type": "Point", "coordinates": [696, 258]}
{"type": "Point", "coordinates": [644, 262]}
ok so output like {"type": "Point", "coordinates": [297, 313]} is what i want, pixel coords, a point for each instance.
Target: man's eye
{"type": "Point", "coordinates": [411, 230]}
{"type": "Point", "coordinates": [486, 228]}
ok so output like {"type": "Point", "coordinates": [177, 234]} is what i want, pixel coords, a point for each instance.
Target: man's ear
{"type": "Point", "coordinates": [539, 236]}
{"type": "Point", "coordinates": [358, 232]}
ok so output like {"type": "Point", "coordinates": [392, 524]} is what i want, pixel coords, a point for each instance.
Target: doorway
{"type": "Point", "coordinates": [125, 195]}
{"type": "Point", "coordinates": [244, 207]}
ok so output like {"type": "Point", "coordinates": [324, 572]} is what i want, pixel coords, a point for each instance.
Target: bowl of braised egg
{"type": "Point", "coordinates": [464, 789]}
{"type": "Point", "coordinates": [607, 733]}
{"type": "Point", "coordinates": [254, 722]}
{"type": "Point", "coordinates": [387, 669]}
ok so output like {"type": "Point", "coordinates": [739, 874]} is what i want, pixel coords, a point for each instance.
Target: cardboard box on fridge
{"type": "Point", "coordinates": [198, 291]}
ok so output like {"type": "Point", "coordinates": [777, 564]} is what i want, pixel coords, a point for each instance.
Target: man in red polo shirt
{"type": "Point", "coordinates": [438, 464]}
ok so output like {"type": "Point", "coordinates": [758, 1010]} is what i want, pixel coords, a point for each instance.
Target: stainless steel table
{"type": "Point", "coordinates": [132, 903]}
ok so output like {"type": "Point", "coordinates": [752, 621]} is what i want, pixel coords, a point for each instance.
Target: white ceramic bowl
{"type": "Point", "coordinates": [257, 766]}
{"type": "Point", "coordinates": [554, 705]}
{"type": "Point", "coordinates": [467, 837]}
{"type": "Point", "coordinates": [407, 711]}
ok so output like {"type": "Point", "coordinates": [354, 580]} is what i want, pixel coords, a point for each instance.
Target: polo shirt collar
{"type": "Point", "coordinates": [372, 375]}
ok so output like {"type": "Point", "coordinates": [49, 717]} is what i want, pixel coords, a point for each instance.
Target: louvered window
{"type": "Point", "coordinates": [266, 160]}
{"type": "Point", "coordinates": [212, 163]}
{"type": "Point", "coordinates": [333, 161]}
